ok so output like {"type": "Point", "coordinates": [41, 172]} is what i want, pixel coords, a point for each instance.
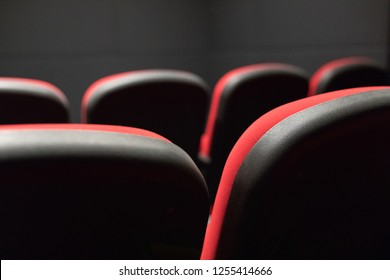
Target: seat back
{"type": "Point", "coordinates": [171, 103]}
{"type": "Point", "coordinates": [308, 180]}
{"type": "Point", "coordinates": [31, 101]}
{"type": "Point", "coordinates": [240, 97]}
{"type": "Point", "coordinates": [346, 73]}
{"type": "Point", "coordinates": [98, 192]}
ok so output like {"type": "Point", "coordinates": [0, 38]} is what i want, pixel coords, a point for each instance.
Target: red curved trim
{"type": "Point", "coordinates": [325, 69]}
{"type": "Point", "coordinates": [206, 140]}
{"type": "Point", "coordinates": [85, 127]}
{"type": "Point", "coordinates": [243, 147]}
{"type": "Point", "coordinates": [39, 83]}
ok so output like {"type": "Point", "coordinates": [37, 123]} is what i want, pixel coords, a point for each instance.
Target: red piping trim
{"type": "Point", "coordinates": [85, 127]}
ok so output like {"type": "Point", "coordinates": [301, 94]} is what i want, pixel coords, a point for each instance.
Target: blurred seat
{"type": "Point", "coordinates": [239, 98]}
{"type": "Point", "coordinates": [169, 102]}
{"type": "Point", "coordinates": [346, 73]}
{"type": "Point", "coordinates": [31, 101]}
{"type": "Point", "coordinates": [308, 180]}
{"type": "Point", "coordinates": [76, 191]}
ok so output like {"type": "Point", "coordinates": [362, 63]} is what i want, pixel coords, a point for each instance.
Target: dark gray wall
{"type": "Point", "coordinates": [302, 32]}
{"type": "Point", "coordinates": [72, 43]}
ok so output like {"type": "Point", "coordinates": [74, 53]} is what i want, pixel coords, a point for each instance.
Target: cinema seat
{"type": "Point", "coordinates": [346, 73]}
{"type": "Point", "coordinates": [73, 191]}
{"type": "Point", "coordinates": [308, 180]}
{"type": "Point", "coordinates": [31, 101]}
{"type": "Point", "coordinates": [169, 102]}
{"type": "Point", "coordinates": [239, 98]}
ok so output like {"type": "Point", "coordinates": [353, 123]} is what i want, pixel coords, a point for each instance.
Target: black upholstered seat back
{"type": "Point", "coordinates": [349, 72]}
{"type": "Point", "coordinates": [171, 103]}
{"type": "Point", "coordinates": [309, 180]}
{"type": "Point", "coordinates": [98, 192]}
{"type": "Point", "coordinates": [242, 96]}
{"type": "Point", "coordinates": [31, 101]}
